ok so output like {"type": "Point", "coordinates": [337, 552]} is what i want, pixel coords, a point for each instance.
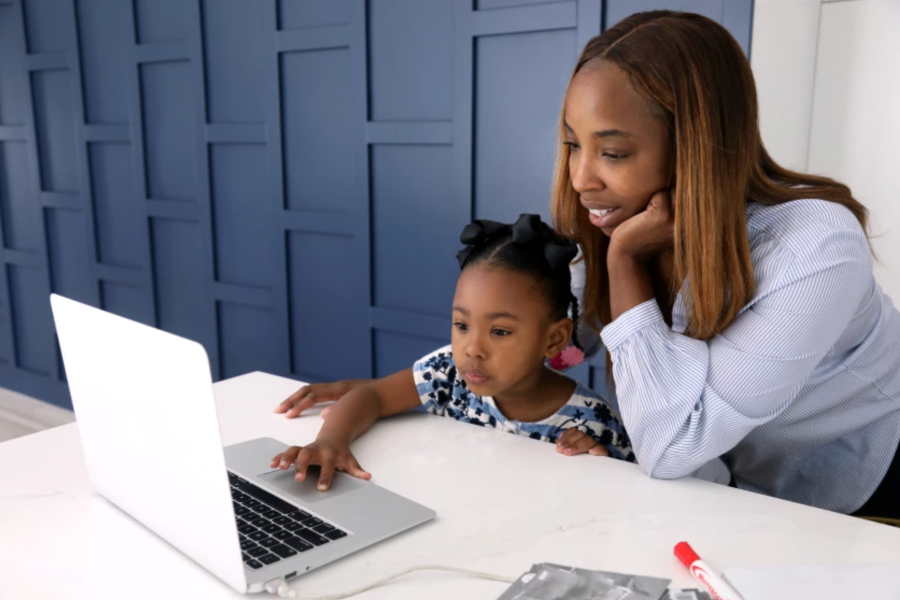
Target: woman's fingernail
{"type": "Point", "coordinates": [322, 487]}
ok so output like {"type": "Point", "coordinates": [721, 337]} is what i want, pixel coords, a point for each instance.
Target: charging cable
{"type": "Point", "coordinates": [281, 588]}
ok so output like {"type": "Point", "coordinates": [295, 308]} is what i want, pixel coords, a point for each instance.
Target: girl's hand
{"type": "Point", "coordinates": [316, 393]}
{"type": "Point", "coordinates": [329, 455]}
{"type": "Point", "coordinates": [648, 233]}
{"type": "Point", "coordinates": [574, 441]}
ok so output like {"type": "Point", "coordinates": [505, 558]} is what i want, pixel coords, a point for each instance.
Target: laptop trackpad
{"type": "Point", "coordinates": [306, 490]}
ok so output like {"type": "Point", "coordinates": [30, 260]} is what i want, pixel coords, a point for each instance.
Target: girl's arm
{"type": "Point", "coordinates": [316, 393]}
{"type": "Point", "coordinates": [357, 411]}
{"type": "Point", "coordinates": [352, 416]}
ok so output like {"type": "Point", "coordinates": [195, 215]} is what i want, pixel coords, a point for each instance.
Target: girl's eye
{"type": "Point", "coordinates": [571, 145]}
{"type": "Point", "coordinates": [501, 332]}
{"type": "Point", "coordinates": [461, 326]}
{"type": "Point", "coordinates": [614, 157]}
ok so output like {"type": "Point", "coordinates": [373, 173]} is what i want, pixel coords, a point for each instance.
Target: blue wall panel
{"type": "Point", "coordinates": [329, 324]}
{"type": "Point", "coordinates": [116, 210]}
{"type": "Point", "coordinates": [179, 277]}
{"type": "Point", "coordinates": [163, 20]}
{"type": "Point", "coordinates": [412, 207]}
{"type": "Point", "coordinates": [124, 300]}
{"type": "Point", "coordinates": [318, 134]}
{"type": "Point", "coordinates": [520, 78]}
{"type": "Point", "coordinates": [32, 328]}
{"type": "Point", "coordinates": [313, 13]}
{"type": "Point", "coordinates": [169, 132]}
{"type": "Point", "coordinates": [12, 100]}
{"type": "Point", "coordinates": [237, 40]}
{"type": "Point", "coordinates": [244, 246]}
{"type": "Point", "coordinates": [283, 181]}
{"type": "Point", "coordinates": [243, 327]}
{"type": "Point", "coordinates": [21, 222]}
{"type": "Point", "coordinates": [397, 351]}
{"type": "Point", "coordinates": [411, 60]}
{"type": "Point", "coordinates": [52, 93]}
{"type": "Point", "coordinates": [103, 32]}
{"type": "Point", "coordinates": [44, 34]}
{"type": "Point", "coordinates": [70, 260]}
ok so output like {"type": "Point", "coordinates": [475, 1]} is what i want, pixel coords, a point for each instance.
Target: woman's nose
{"type": "Point", "coordinates": [583, 174]}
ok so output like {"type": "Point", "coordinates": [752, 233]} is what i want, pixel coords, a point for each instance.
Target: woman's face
{"type": "Point", "coordinates": [619, 150]}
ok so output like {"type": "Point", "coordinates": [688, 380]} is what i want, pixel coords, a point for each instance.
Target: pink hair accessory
{"type": "Point", "coordinates": [571, 356]}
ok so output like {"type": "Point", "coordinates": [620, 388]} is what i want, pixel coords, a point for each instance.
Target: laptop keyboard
{"type": "Point", "coordinates": [271, 529]}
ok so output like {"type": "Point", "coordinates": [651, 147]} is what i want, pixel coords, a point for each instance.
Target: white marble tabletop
{"type": "Point", "coordinates": [503, 503]}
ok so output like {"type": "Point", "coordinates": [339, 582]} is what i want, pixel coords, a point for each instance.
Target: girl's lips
{"type": "Point", "coordinates": [474, 376]}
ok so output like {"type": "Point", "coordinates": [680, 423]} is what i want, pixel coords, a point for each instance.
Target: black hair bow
{"type": "Point", "coordinates": [528, 230]}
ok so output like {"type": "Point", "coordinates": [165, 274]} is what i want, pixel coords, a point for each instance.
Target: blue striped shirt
{"type": "Point", "coordinates": [800, 395]}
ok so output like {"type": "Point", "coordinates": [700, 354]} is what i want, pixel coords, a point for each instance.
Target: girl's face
{"type": "Point", "coordinates": [502, 329]}
{"type": "Point", "coordinates": [619, 150]}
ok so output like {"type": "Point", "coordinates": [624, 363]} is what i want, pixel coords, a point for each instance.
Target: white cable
{"type": "Point", "coordinates": [285, 592]}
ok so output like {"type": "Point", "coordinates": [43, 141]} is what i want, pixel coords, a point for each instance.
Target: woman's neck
{"type": "Point", "coordinates": [536, 398]}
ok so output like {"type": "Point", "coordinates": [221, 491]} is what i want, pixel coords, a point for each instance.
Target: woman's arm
{"type": "Point", "coordinates": [685, 401]}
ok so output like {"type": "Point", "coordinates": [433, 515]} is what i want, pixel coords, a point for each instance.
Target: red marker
{"type": "Point", "coordinates": [717, 587]}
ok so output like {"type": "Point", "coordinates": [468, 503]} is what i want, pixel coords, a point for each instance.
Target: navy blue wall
{"type": "Point", "coordinates": [282, 181]}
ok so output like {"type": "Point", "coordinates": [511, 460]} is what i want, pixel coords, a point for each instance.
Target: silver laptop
{"type": "Point", "coordinates": [149, 429]}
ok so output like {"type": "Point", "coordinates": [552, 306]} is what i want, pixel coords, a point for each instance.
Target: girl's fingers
{"type": "Point", "coordinates": [287, 458]}
{"type": "Point", "coordinates": [583, 445]}
{"type": "Point", "coordinates": [292, 400]}
{"type": "Point", "coordinates": [276, 461]}
{"type": "Point", "coordinates": [567, 440]}
{"type": "Point", "coordinates": [352, 467]}
{"type": "Point", "coordinates": [302, 463]}
{"type": "Point", "coordinates": [311, 399]}
{"type": "Point", "coordinates": [328, 465]}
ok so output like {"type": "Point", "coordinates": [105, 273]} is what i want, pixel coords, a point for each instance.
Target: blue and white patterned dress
{"type": "Point", "coordinates": [443, 392]}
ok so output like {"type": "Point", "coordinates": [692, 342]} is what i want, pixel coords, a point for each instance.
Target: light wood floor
{"type": "Point", "coordinates": [21, 415]}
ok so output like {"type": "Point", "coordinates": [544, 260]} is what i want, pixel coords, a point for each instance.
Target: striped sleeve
{"type": "Point", "coordinates": [686, 401]}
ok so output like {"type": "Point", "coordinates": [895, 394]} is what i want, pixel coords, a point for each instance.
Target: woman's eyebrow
{"type": "Point", "coordinates": [605, 133]}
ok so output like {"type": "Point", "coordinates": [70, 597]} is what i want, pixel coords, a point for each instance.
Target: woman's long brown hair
{"type": "Point", "coordinates": [696, 77]}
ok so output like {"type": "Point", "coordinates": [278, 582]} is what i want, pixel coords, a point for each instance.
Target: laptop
{"type": "Point", "coordinates": [146, 413]}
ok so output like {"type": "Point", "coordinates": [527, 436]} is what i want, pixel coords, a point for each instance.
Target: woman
{"type": "Point", "coordinates": [737, 298]}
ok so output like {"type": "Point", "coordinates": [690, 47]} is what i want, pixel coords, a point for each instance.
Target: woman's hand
{"type": "Point", "coordinates": [316, 393]}
{"type": "Point", "coordinates": [330, 455]}
{"type": "Point", "coordinates": [574, 441]}
{"type": "Point", "coordinates": [648, 233]}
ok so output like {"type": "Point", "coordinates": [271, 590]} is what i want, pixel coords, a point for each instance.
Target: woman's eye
{"type": "Point", "coordinates": [501, 332]}
{"type": "Point", "coordinates": [461, 326]}
{"type": "Point", "coordinates": [614, 157]}
{"type": "Point", "coordinates": [571, 145]}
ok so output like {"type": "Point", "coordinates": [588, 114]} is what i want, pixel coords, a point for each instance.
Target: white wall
{"type": "Point", "coordinates": [845, 102]}
{"type": "Point", "coordinates": [783, 57]}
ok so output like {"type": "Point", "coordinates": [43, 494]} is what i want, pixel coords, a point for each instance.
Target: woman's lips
{"type": "Point", "coordinates": [603, 217]}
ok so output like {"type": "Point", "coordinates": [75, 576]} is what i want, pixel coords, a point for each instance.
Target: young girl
{"type": "Point", "coordinates": [510, 316]}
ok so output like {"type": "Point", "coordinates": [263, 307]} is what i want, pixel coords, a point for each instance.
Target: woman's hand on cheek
{"type": "Point", "coordinates": [648, 233]}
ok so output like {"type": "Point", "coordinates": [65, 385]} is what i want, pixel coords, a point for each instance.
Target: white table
{"type": "Point", "coordinates": [503, 503]}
